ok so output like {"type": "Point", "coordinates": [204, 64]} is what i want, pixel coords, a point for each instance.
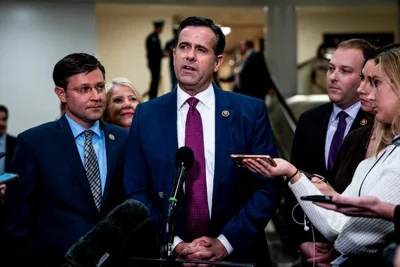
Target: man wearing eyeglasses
{"type": "Point", "coordinates": [70, 170]}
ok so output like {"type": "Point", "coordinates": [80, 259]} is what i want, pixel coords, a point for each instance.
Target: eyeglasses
{"type": "Point", "coordinates": [85, 89]}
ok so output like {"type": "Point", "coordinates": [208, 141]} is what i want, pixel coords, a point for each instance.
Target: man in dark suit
{"type": "Point", "coordinates": [254, 77]}
{"type": "Point", "coordinates": [154, 56]}
{"type": "Point", "coordinates": [70, 170]}
{"type": "Point", "coordinates": [233, 206]}
{"type": "Point", "coordinates": [316, 128]}
{"type": "Point", "coordinates": [7, 142]}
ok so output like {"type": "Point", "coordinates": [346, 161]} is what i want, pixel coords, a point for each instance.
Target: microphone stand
{"type": "Point", "coordinates": [161, 232]}
{"type": "Point", "coordinates": [172, 209]}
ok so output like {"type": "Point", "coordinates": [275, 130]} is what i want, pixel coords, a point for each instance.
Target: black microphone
{"type": "Point", "coordinates": [184, 159]}
{"type": "Point", "coordinates": [108, 236]}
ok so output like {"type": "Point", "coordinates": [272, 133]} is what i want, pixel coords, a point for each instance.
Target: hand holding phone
{"type": "Point", "coordinates": [324, 199]}
{"type": "Point", "coordinates": [238, 159]}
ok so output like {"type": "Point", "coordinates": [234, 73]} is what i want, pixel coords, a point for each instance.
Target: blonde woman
{"type": "Point", "coordinates": [122, 99]}
{"type": "Point", "coordinates": [377, 176]}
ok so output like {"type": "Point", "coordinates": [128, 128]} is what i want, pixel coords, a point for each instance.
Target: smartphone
{"type": "Point", "coordinates": [6, 177]}
{"type": "Point", "coordinates": [238, 159]}
{"type": "Point", "coordinates": [318, 198]}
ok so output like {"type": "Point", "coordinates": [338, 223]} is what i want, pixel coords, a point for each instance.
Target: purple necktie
{"type": "Point", "coordinates": [197, 215]}
{"type": "Point", "coordinates": [337, 139]}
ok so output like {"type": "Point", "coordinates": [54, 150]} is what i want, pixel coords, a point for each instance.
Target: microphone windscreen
{"type": "Point", "coordinates": [184, 155]}
{"type": "Point", "coordinates": [108, 235]}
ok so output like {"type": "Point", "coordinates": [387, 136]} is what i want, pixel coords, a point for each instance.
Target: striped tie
{"type": "Point", "coordinates": [92, 169]}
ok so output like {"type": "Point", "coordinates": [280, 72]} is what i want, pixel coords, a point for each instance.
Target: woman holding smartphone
{"type": "Point", "coordinates": [377, 176]}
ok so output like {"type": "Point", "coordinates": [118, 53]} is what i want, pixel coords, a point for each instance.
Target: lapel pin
{"type": "Point", "coordinates": [112, 137]}
{"type": "Point", "coordinates": [363, 122]}
{"type": "Point", "coordinates": [225, 113]}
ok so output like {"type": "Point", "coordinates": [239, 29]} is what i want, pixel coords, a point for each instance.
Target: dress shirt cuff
{"type": "Point", "coordinates": [226, 244]}
{"type": "Point", "coordinates": [177, 240]}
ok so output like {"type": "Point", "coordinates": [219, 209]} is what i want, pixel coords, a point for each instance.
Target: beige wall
{"type": "Point", "coordinates": [122, 29]}
{"type": "Point", "coordinates": [121, 48]}
{"type": "Point", "coordinates": [311, 28]}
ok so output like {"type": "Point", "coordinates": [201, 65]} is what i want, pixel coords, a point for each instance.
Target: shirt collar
{"type": "Point", "coordinates": [3, 138]}
{"type": "Point", "coordinates": [206, 97]}
{"type": "Point", "coordinates": [77, 129]}
{"type": "Point", "coordinates": [351, 111]}
{"type": "Point", "coordinates": [248, 53]}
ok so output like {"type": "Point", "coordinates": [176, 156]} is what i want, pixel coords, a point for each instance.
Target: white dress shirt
{"type": "Point", "coordinates": [352, 112]}
{"type": "Point", "coordinates": [206, 108]}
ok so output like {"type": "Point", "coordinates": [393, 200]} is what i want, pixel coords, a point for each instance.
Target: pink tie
{"type": "Point", "coordinates": [197, 214]}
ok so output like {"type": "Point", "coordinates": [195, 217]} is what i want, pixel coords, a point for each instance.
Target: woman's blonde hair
{"type": "Point", "coordinates": [119, 81]}
{"type": "Point", "coordinates": [389, 61]}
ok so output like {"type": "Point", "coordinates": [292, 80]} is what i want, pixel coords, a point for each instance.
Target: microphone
{"type": "Point", "coordinates": [184, 159]}
{"type": "Point", "coordinates": [108, 235]}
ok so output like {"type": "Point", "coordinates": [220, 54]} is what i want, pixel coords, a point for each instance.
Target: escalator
{"type": "Point", "coordinates": [284, 114]}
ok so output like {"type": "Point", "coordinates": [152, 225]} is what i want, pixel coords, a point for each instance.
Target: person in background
{"type": "Point", "coordinates": [154, 55]}
{"type": "Point", "coordinates": [319, 68]}
{"type": "Point", "coordinates": [169, 49]}
{"type": "Point", "coordinates": [70, 170]}
{"type": "Point", "coordinates": [7, 142]}
{"type": "Point", "coordinates": [359, 144]}
{"type": "Point", "coordinates": [122, 99]}
{"type": "Point", "coordinates": [252, 76]}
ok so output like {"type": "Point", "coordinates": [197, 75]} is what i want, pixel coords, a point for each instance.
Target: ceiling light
{"type": "Point", "coordinates": [226, 30]}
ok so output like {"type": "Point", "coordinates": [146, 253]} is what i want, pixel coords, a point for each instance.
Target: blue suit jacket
{"type": "Point", "coordinates": [50, 206]}
{"type": "Point", "coordinates": [242, 203]}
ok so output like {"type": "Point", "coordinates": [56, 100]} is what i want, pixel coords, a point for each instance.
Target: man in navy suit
{"type": "Point", "coordinates": [57, 198]}
{"type": "Point", "coordinates": [239, 203]}
{"type": "Point", "coordinates": [7, 142]}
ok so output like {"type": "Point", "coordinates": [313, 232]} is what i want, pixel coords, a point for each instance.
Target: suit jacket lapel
{"type": "Point", "coordinates": [223, 124]}
{"type": "Point", "coordinates": [111, 151]}
{"type": "Point", "coordinates": [168, 120]}
{"type": "Point", "coordinates": [66, 142]}
{"type": "Point", "coordinates": [324, 129]}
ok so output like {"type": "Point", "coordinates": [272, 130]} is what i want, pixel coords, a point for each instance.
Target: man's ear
{"type": "Point", "coordinates": [218, 62]}
{"type": "Point", "coordinates": [60, 92]}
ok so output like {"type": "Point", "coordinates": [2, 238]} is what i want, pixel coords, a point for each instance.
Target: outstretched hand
{"type": "Point", "coordinates": [262, 167]}
{"type": "Point", "coordinates": [365, 206]}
